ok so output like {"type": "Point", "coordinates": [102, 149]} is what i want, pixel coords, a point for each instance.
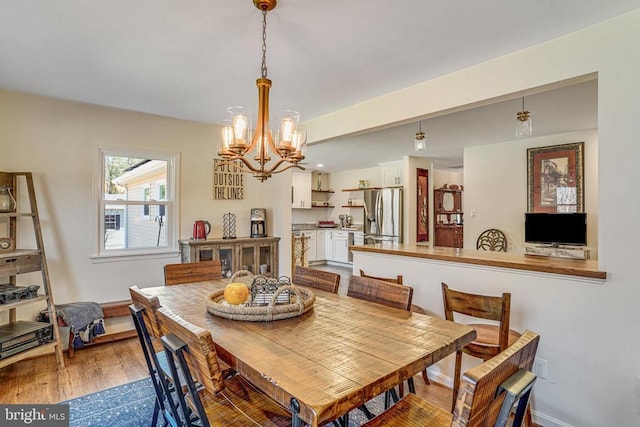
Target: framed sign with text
{"type": "Point", "coordinates": [555, 178]}
{"type": "Point", "coordinates": [228, 180]}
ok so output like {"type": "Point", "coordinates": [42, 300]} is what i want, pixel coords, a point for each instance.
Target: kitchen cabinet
{"type": "Point", "coordinates": [301, 190]}
{"type": "Point", "coordinates": [340, 246]}
{"type": "Point", "coordinates": [258, 255]}
{"type": "Point", "coordinates": [448, 216]}
{"type": "Point", "coordinates": [321, 244]}
{"type": "Point", "coordinates": [392, 176]}
{"type": "Point", "coordinates": [328, 245]}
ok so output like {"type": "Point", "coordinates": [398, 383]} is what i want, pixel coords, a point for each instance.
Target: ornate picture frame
{"type": "Point", "coordinates": [555, 178]}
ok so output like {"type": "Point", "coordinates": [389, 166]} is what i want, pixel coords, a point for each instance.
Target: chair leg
{"type": "Point", "coordinates": [412, 386]}
{"type": "Point", "coordinates": [425, 377]}
{"type": "Point", "coordinates": [367, 412]}
{"type": "Point", "coordinates": [456, 379]}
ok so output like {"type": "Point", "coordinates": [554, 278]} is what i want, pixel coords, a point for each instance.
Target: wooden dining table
{"type": "Point", "coordinates": [332, 359]}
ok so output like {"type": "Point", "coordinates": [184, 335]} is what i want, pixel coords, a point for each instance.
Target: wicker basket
{"type": "Point", "coordinates": [302, 302]}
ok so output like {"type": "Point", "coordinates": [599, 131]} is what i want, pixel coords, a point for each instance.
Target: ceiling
{"type": "Point", "coordinates": [191, 60]}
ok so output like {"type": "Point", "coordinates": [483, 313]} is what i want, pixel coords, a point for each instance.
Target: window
{"type": "Point", "coordinates": [136, 202]}
{"type": "Point", "coordinates": [146, 196]}
{"type": "Point", "coordinates": [112, 222]}
{"type": "Point", "coordinates": [162, 195]}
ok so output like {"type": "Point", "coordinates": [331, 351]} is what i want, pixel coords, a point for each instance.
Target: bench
{"type": "Point", "coordinates": [110, 310]}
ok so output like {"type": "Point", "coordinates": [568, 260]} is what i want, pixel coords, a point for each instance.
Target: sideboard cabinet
{"type": "Point", "coordinates": [258, 255]}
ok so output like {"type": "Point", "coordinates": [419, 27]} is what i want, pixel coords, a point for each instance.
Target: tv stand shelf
{"type": "Point", "coordinates": [571, 252]}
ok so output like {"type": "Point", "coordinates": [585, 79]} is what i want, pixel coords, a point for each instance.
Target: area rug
{"type": "Point", "coordinates": [131, 405]}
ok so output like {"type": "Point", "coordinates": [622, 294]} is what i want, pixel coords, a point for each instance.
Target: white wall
{"type": "Point", "coordinates": [495, 184]}
{"type": "Point", "coordinates": [588, 332]}
{"type": "Point", "coordinates": [54, 139]}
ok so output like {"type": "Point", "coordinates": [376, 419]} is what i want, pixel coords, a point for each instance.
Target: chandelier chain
{"type": "Point", "coordinates": [264, 44]}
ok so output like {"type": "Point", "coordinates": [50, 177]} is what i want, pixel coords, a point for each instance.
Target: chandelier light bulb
{"type": "Point", "coordinates": [240, 125]}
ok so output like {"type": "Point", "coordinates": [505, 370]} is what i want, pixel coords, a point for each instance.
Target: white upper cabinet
{"type": "Point", "coordinates": [392, 176]}
{"type": "Point", "coordinates": [301, 190]}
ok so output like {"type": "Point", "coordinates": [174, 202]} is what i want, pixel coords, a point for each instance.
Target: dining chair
{"type": "Point", "coordinates": [210, 397]}
{"type": "Point", "coordinates": [414, 308]}
{"type": "Point", "coordinates": [163, 406]}
{"type": "Point", "coordinates": [391, 295]}
{"type": "Point", "coordinates": [487, 394]}
{"type": "Point", "coordinates": [491, 339]}
{"type": "Point", "coordinates": [176, 274]}
{"type": "Point", "coordinates": [318, 279]}
{"type": "Point", "coordinates": [492, 240]}
{"type": "Point", "coordinates": [152, 324]}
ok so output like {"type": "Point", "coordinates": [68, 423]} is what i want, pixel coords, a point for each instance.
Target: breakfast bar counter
{"type": "Point", "coordinates": [587, 269]}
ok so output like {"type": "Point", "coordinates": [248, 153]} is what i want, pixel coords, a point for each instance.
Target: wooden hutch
{"type": "Point", "coordinates": [448, 216]}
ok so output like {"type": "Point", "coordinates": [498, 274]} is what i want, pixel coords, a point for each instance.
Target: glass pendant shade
{"type": "Point", "coordinates": [287, 124]}
{"type": "Point", "coordinates": [241, 125]}
{"type": "Point", "coordinates": [225, 137]}
{"type": "Point", "coordinates": [420, 143]}
{"type": "Point", "coordinates": [524, 127]}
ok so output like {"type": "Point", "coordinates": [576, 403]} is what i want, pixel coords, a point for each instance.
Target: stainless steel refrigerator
{"type": "Point", "coordinates": [383, 215]}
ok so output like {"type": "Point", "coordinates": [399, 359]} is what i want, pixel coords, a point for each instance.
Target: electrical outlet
{"type": "Point", "coordinates": [540, 368]}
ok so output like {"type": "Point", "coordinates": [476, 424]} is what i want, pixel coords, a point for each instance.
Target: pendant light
{"type": "Point", "coordinates": [235, 133]}
{"type": "Point", "coordinates": [524, 126]}
{"type": "Point", "coordinates": [420, 141]}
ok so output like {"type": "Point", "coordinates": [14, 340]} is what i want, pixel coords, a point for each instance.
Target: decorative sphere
{"type": "Point", "coordinates": [236, 293]}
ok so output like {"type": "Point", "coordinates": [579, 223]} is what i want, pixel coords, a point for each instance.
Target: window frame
{"type": "Point", "coordinates": [171, 203]}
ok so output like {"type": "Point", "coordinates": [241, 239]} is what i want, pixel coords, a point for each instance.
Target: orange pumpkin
{"type": "Point", "coordinates": [236, 293]}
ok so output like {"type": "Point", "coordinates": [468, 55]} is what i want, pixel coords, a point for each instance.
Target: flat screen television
{"type": "Point", "coordinates": [555, 228]}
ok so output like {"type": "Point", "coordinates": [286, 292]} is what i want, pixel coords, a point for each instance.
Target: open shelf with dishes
{"type": "Point", "coordinates": [322, 199]}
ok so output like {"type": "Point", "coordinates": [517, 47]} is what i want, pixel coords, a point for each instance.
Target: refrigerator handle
{"type": "Point", "coordinates": [378, 212]}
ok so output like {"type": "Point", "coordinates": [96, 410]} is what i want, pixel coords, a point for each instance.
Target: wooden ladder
{"type": "Point", "coordinates": [17, 261]}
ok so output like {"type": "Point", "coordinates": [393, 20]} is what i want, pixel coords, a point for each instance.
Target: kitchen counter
{"type": "Point", "coordinates": [587, 269]}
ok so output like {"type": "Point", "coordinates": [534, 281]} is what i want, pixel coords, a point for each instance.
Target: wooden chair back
{"type": "Point", "coordinates": [324, 280]}
{"type": "Point", "coordinates": [397, 279]}
{"type": "Point", "coordinates": [485, 397]}
{"type": "Point", "coordinates": [389, 294]}
{"type": "Point", "coordinates": [480, 306]}
{"type": "Point", "coordinates": [201, 357]}
{"type": "Point", "coordinates": [163, 407]}
{"type": "Point", "coordinates": [479, 400]}
{"type": "Point", "coordinates": [492, 240]}
{"type": "Point", "coordinates": [150, 314]}
{"type": "Point", "coordinates": [175, 274]}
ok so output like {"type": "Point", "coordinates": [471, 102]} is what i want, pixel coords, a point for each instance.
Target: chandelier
{"type": "Point", "coordinates": [420, 141]}
{"type": "Point", "coordinates": [524, 126]}
{"type": "Point", "coordinates": [235, 132]}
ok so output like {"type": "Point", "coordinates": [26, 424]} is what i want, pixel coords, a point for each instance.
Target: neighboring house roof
{"type": "Point", "coordinates": [140, 170]}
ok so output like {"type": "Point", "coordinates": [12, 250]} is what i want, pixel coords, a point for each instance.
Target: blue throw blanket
{"type": "Point", "coordinates": [85, 319]}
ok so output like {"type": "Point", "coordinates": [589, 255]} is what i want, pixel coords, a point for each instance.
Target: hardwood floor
{"type": "Point", "coordinates": [103, 366]}
{"type": "Point", "coordinates": [92, 369]}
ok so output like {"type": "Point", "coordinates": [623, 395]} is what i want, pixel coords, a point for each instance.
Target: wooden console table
{"type": "Point", "coordinates": [258, 255]}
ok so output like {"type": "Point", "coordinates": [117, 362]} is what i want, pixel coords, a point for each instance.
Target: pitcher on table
{"type": "Point", "coordinates": [201, 230]}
